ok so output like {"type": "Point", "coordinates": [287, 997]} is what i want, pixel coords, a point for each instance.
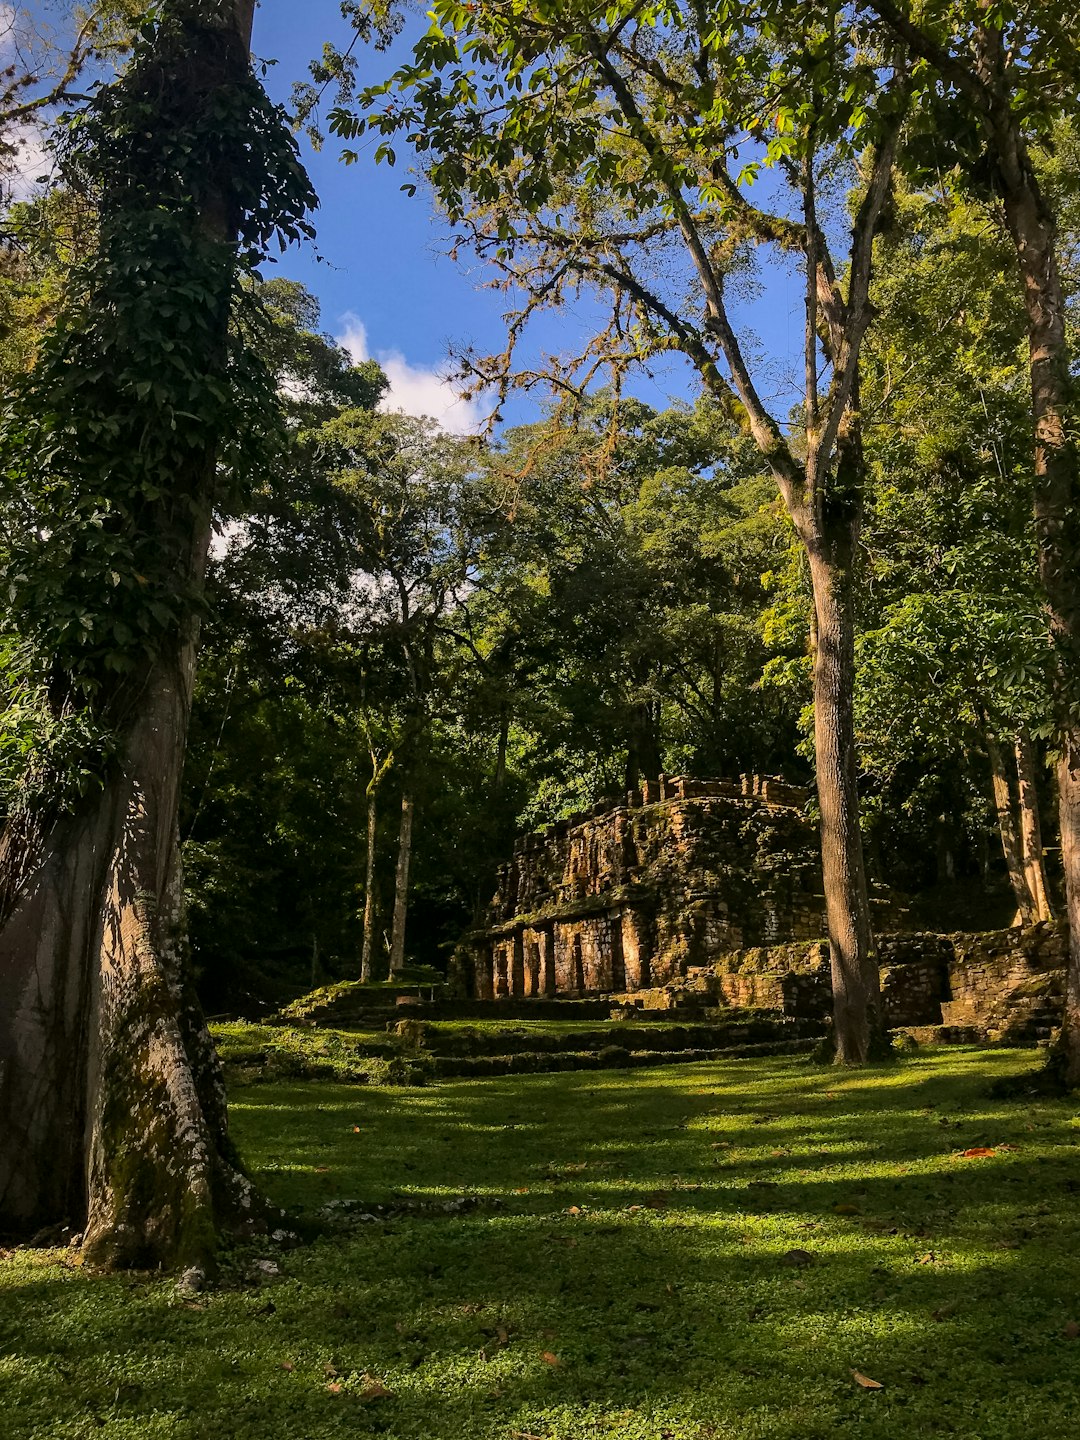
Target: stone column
{"type": "Point", "coordinates": [502, 969]}
{"type": "Point", "coordinates": [517, 965]}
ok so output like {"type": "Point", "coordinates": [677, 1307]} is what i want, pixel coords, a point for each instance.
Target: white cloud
{"type": "Point", "coordinates": [26, 164]}
{"type": "Point", "coordinates": [29, 159]}
{"type": "Point", "coordinates": [413, 389]}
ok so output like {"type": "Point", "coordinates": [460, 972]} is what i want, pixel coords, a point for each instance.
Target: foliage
{"type": "Point", "coordinates": [104, 446]}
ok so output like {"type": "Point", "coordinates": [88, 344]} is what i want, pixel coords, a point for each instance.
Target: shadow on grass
{"type": "Point", "coordinates": [637, 1281]}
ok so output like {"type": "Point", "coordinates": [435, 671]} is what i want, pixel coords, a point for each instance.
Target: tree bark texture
{"type": "Point", "coordinates": [112, 1109]}
{"type": "Point", "coordinates": [401, 885]}
{"type": "Point", "coordinates": [855, 981]}
{"type": "Point", "coordinates": [1009, 830]}
{"type": "Point", "coordinates": [1057, 503]}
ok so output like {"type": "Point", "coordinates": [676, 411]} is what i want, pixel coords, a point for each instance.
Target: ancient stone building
{"type": "Point", "coordinates": [630, 897]}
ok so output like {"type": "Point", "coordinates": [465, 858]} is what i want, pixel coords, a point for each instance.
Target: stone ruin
{"type": "Point", "coordinates": [705, 896]}
{"type": "Point", "coordinates": [629, 897]}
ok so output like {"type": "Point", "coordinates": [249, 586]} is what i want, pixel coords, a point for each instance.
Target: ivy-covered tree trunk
{"type": "Point", "coordinates": [112, 1110]}
{"type": "Point", "coordinates": [855, 982]}
{"type": "Point", "coordinates": [111, 1101]}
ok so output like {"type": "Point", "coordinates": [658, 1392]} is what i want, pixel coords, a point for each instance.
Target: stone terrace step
{"type": "Point", "coordinates": [534, 1063]}
{"type": "Point", "coordinates": [477, 1042]}
{"type": "Point", "coordinates": [350, 1007]}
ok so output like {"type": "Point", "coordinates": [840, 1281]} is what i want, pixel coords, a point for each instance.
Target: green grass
{"type": "Point", "coordinates": [625, 1274]}
{"type": "Point", "coordinates": [279, 1052]}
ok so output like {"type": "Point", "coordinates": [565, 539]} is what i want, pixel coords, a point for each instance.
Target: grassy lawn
{"type": "Point", "coordinates": [688, 1254]}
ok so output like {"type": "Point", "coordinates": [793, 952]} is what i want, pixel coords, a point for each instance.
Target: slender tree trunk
{"type": "Point", "coordinates": [367, 954]}
{"type": "Point", "coordinates": [112, 1111]}
{"type": "Point", "coordinates": [1031, 826]}
{"type": "Point", "coordinates": [854, 966]}
{"type": "Point", "coordinates": [401, 885]}
{"type": "Point", "coordinates": [1009, 830]}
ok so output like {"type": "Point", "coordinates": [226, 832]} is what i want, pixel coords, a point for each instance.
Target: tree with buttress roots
{"type": "Point", "coordinates": [141, 408]}
{"type": "Point", "coordinates": [611, 148]}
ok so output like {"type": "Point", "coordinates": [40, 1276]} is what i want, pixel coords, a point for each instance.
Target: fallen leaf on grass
{"type": "Point", "coordinates": [522, 1190]}
{"type": "Point", "coordinates": [549, 1358]}
{"type": "Point", "coordinates": [865, 1381]}
{"type": "Point", "coordinates": [375, 1390]}
{"type": "Point", "coordinates": [1072, 1331]}
{"type": "Point", "coordinates": [928, 1259]}
{"type": "Point", "coordinates": [978, 1152]}
{"type": "Point", "coordinates": [287, 1365]}
{"type": "Point", "coordinates": [334, 1388]}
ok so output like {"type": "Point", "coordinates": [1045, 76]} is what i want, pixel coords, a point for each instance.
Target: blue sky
{"type": "Point", "coordinates": [380, 266]}
{"type": "Point", "coordinates": [384, 279]}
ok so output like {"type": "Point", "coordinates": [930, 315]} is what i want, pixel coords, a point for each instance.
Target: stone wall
{"type": "Point", "coordinates": [629, 897]}
{"type": "Point", "coordinates": [1005, 985]}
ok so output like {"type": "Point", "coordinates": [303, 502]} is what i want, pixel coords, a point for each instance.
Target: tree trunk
{"type": "Point", "coordinates": [644, 760]}
{"type": "Point", "coordinates": [401, 885]}
{"type": "Point", "coordinates": [112, 1109]}
{"type": "Point", "coordinates": [1057, 503]}
{"type": "Point", "coordinates": [1009, 830]}
{"type": "Point", "coordinates": [1031, 844]}
{"type": "Point", "coordinates": [111, 1100]}
{"type": "Point", "coordinates": [854, 967]}
{"type": "Point", "coordinates": [1069, 811]}
{"type": "Point", "coordinates": [367, 954]}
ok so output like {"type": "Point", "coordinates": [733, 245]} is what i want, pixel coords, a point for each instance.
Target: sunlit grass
{"type": "Point", "coordinates": [700, 1252]}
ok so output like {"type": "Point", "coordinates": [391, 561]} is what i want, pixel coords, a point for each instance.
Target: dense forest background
{"type": "Point", "coordinates": [418, 644]}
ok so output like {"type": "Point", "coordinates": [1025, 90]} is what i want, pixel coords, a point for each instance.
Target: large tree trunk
{"type": "Point", "coordinates": [111, 1102]}
{"type": "Point", "coordinates": [854, 966]}
{"type": "Point", "coordinates": [401, 885]}
{"type": "Point", "coordinates": [1069, 811]}
{"type": "Point", "coordinates": [1009, 830]}
{"type": "Point", "coordinates": [1057, 504]}
{"type": "Point", "coordinates": [1031, 844]}
{"type": "Point", "coordinates": [112, 1111]}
